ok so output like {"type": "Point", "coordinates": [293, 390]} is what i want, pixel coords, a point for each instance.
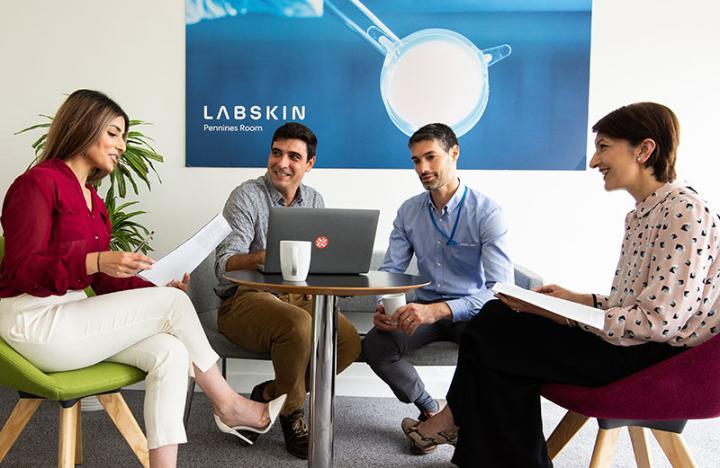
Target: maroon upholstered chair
{"type": "Point", "coordinates": [662, 398]}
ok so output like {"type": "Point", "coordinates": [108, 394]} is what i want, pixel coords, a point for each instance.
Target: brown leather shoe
{"type": "Point", "coordinates": [422, 443]}
{"type": "Point", "coordinates": [295, 431]}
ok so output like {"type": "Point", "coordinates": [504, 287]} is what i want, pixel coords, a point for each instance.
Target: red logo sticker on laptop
{"type": "Point", "coordinates": [321, 242]}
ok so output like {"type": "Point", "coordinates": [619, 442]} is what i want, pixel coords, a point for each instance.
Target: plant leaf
{"type": "Point", "coordinates": [39, 143]}
{"type": "Point", "coordinates": [43, 125]}
{"type": "Point", "coordinates": [137, 165]}
{"type": "Point", "coordinates": [120, 182]}
{"type": "Point", "coordinates": [146, 154]}
{"type": "Point", "coordinates": [122, 168]}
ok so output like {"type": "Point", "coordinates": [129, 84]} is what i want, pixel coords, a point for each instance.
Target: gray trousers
{"type": "Point", "coordinates": [385, 353]}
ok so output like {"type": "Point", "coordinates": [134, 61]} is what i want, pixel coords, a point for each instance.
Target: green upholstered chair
{"type": "Point", "coordinates": [103, 380]}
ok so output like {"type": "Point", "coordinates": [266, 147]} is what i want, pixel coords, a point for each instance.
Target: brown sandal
{"type": "Point", "coordinates": [425, 443]}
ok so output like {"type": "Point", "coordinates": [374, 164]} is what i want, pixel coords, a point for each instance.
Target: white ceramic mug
{"type": "Point", "coordinates": [391, 302]}
{"type": "Point", "coordinates": [295, 259]}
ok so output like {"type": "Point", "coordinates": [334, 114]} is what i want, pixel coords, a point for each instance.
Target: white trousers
{"type": "Point", "coordinates": [154, 329]}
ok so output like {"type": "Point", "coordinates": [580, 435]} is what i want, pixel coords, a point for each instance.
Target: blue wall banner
{"type": "Point", "coordinates": [511, 78]}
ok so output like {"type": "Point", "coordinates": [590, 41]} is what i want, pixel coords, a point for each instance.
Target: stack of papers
{"type": "Point", "coordinates": [572, 310]}
{"type": "Point", "coordinates": [188, 255]}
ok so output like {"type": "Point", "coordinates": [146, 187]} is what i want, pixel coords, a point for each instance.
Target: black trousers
{"type": "Point", "coordinates": [503, 360]}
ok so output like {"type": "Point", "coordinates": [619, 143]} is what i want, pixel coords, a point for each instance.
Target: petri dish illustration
{"type": "Point", "coordinates": [436, 75]}
{"type": "Point", "coordinates": [432, 75]}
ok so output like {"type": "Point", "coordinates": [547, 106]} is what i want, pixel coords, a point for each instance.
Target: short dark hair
{"type": "Point", "coordinates": [435, 131]}
{"type": "Point", "coordinates": [298, 131]}
{"type": "Point", "coordinates": [642, 120]}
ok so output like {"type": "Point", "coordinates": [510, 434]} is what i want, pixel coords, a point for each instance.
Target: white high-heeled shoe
{"type": "Point", "coordinates": [274, 407]}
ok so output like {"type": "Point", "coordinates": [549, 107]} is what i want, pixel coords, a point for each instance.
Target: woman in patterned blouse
{"type": "Point", "coordinates": [663, 299]}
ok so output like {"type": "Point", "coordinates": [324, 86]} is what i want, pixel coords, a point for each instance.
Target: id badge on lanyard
{"type": "Point", "coordinates": [451, 238]}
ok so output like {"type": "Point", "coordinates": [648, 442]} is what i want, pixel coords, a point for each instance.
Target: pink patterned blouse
{"type": "Point", "coordinates": [666, 282]}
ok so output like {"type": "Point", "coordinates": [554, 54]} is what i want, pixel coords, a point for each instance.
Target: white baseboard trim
{"type": "Point", "coordinates": [357, 380]}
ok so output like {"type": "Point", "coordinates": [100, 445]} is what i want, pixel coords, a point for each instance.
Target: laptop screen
{"type": "Point", "coordinates": [342, 239]}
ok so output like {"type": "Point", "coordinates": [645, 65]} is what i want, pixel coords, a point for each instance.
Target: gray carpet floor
{"type": "Point", "coordinates": [367, 433]}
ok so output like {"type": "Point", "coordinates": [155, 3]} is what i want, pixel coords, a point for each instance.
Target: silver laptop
{"type": "Point", "coordinates": [342, 239]}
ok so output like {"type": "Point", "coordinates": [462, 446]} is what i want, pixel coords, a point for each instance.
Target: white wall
{"type": "Point", "coordinates": [562, 224]}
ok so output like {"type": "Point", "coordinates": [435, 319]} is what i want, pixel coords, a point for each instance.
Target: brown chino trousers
{"type": "Point", "coordinates": [262, 322]}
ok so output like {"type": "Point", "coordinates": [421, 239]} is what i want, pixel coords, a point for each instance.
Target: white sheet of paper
{"type": "Point", "coordinates": [188, 255]}
{"type": "Point", "coordinates": [572, 310]}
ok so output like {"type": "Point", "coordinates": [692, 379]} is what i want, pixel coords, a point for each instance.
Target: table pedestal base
{"type": "Point", "coordinates": [323, 364]}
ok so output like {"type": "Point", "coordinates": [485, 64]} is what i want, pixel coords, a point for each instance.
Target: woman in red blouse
{"type": "Point", "coordinates": [57, 234]}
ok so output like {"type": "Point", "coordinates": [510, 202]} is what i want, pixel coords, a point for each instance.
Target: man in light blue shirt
{"type": "Point", "coordinates": [459, 239]}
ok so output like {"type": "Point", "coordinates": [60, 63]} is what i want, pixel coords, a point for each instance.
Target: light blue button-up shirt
{"type": "Point", "coordinates": [461, 274]}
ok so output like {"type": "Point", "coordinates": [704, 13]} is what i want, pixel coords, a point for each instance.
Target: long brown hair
{"type": "Point", "coordinates": [78, 124]}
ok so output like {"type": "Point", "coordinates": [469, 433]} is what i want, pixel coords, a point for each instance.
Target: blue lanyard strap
{"type": "Point", "coordinates": [451, 237]}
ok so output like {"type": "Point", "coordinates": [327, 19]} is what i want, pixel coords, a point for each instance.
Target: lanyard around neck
{"type": "Point", "coordinates": [451, 238]}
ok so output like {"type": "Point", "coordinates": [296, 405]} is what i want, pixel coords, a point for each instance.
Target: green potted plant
{"type": "Point", "coordinates": [137, 163]}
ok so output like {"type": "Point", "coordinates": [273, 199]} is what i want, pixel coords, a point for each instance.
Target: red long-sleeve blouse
{"type": "Point", "coordinates": [48, 232]}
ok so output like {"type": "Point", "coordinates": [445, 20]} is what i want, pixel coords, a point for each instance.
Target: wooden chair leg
{"type": "Point", "coordinates": [16, 422]}
{"type": "Point", "coordinates": [604, 447]}
{"type": "Point", "coordinates": [66, 438]}
{"type": "Point", "coordinates": [638, 437]}
{"type": "Point", "coordinates": [79, 437]}
{"type": "Point", "coordinates": [675, 449]}
{"type": "Point", "coordinates": [564, 431]}
{"type": "Point", "coordinates": [121, 415]}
